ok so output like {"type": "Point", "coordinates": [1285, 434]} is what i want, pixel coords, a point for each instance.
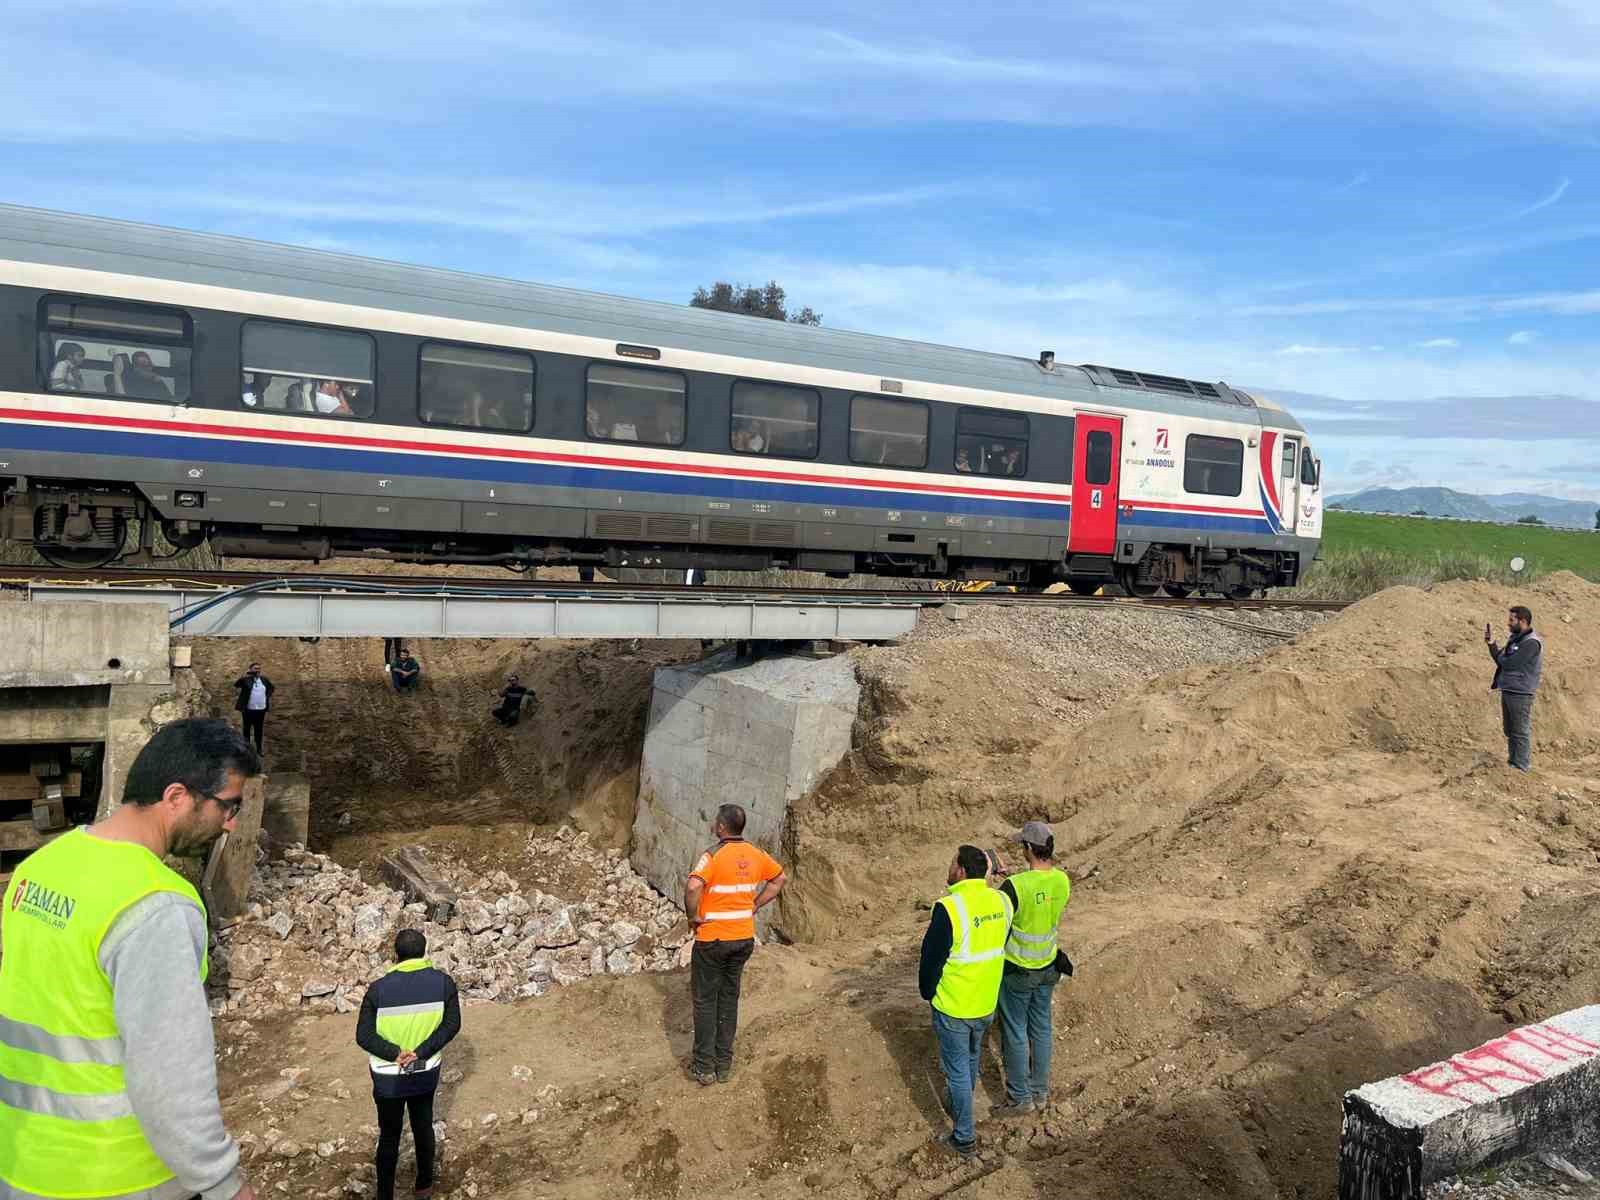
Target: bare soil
{"type": "Point", "coordinates": [1297, 867]}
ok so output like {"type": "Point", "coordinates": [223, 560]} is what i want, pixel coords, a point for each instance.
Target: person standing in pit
{"type": "Point", "coordinates": [1516, 678]}
{"type": "Point", "coordinates": [962, 956]}
{"type": "Point", "coordinates": [730, 883]}
{"type": "Point", "coordinates": [108, 1076]}
{"type": "Point", "coordinates": [407, 1019]}
{"type": "Point", "coordinates": [1028, 980]}
{"type": "Point", "coordinates": [253, 697]}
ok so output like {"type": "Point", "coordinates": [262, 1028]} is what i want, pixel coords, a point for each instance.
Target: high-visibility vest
{"type": "Point", "coordinates": [979, 917]}
{"type": "Point", "coordinates": [67, 1127]}
{"type": "Point", "coordinates": [410, 1006]}
{"type": "Point", "coordinates": [734, 872]}
{"type": "Point", "coordinates": [1041, 898]}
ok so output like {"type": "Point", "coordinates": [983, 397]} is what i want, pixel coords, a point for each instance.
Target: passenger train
{"type": "Point", "coordinates": [297, 404]}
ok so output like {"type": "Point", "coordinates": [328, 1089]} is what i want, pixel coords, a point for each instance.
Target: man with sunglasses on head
{"type": "Point", "coordinates": [108, 1082]}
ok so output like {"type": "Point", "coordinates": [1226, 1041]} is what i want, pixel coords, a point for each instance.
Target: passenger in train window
{"type": "Point", "coordinates": [1011, 463]}
{"type": "Point", "coordinates": [963, 459]}
{"type": "Point", "coordinates": [67, 375]}
{"type": "Point", "coordinates": [330, 400]}
{"type": "Point", "coordinates": [357, 399]}
{"type": "Point", "coordinates": [253, 392]}
{"type": "Point", "coordinates": [142, 381]}
{"type": "Point", "coordinates": [592, 421]}
{"type": "Point", "coordinates": [115, 376]}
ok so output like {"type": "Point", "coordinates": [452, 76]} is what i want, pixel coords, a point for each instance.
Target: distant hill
{"type": "Point", "coordinates": [1447, 502]}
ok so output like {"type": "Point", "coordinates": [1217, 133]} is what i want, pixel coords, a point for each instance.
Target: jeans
{"type": "Point", "coordinates": [1025, 1032]}
{"type": "Point", "coordinates": [1516, 718]}
{"type": "Point", "coordinates": [714, 972]}
{"type": "Point", "coordinates": [391, 1118]}
{"type": "Point", "coordinates": [960, 1043]}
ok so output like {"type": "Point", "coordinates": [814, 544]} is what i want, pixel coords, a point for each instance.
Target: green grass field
{"type": "Point", "coordinates": [1363, 553]}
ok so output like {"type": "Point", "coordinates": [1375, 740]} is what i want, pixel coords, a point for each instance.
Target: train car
{"type": "Point", "coordinates": [284, 403]}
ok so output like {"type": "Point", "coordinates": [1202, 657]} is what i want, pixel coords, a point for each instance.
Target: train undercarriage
{"type": "Point", "coordinates": [86, 526]}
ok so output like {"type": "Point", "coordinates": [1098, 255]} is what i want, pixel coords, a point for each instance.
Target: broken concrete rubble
{"type": "Point", "coordinates": [315, 933]}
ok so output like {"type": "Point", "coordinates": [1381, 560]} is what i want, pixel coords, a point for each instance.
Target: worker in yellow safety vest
{"type": "Point", "coordinates": [962, 956]}
{"type": "Point", "coordinates": [108, 1082]}
{"type": "Point", "coordinates": [407, 1019]}
{"type": "Point", "coordinates": [1039, 895]}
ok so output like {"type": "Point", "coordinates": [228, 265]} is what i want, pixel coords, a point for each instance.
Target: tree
{"type": "Point", "coordinates": [1419, 512]}
{"type": "Point", "coordinates": [1530, 519]}
{"type": "Point", "coordinates": [768, 301]}
{"type": "Point", "coordinates": [1597, 518]}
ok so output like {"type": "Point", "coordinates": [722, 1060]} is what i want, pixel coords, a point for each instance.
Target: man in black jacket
{"type": "Point", "coordinates": [407, 1018]}
{"type": "Point", "coordinates": [253, 698]}
{"type": "Point", "coordinates": [1516, 678]}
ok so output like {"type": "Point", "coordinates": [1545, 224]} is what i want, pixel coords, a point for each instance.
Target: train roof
{"type": "Point", "coordinates": [131, 248]}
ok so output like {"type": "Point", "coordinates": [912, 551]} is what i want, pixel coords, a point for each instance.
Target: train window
{"type": "Point", "coordinates": [107, 348]}
{"type": "Point", "coordinates": [1213, 466]}
{"type": "Point", "coordinates": [772, 419]}
{"type": "Point", "coordinates": [1289, 452]}
{"type": "Point", "coordinates": [888, 433]}
{"type": "Point", "coordinates": [475, 388]}
{"type": "Point", "coordinates": [307, 369]}
{"type": "Point", "coordinates": [635, 404]}
{"type": "Point", "coordinates": [1097, 457]}
{"type": "Point", "coordinates": [990, 441]}
{"type": "Point", "coordinates": [1308, 467]}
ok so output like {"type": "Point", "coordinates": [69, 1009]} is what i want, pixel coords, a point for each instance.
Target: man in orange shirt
{"type": "Point", "coordinates": [729, 883]}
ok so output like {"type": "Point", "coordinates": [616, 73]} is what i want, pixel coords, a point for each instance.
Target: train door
{"type": "Point", "coordinates": [1289, 483]}
{"type": "Point", "coordinates": [1097, 448]}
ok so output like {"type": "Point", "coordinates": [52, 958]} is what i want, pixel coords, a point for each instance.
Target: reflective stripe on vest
{"type": "Point", "coordinates": [67, 1127]}
{"type": "Point", "coordinates": [406, 1025]}
{"type": "Point", "coordinates": [728, 901]}
{"type": "Point", "coordinates": [979, 917]}
{"type": "Point", "coordinates": [1041, 898]}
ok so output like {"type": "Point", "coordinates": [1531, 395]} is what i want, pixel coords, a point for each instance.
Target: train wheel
{"type": "Point", "coordinates": [86, 557]}
{"type": "Point", "coordinates": [1084, 587]}
{"type": "Point", "coordinates": [1142, 590]}
{"type": "Point", "coordinates": [1179, 591]}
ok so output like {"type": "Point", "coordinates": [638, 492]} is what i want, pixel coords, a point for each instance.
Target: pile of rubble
{"type": "Point", "coordinates": [316, 933]}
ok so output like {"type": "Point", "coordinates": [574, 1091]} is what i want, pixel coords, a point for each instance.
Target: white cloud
{"type": "Point", "coordinates": [1301, 348]}
{"type": "Point", "coordinates": [1522, 337]}
{"type": "Point", "coordinates": [1439, 343]}
{"type": "Point", "coordinates": [1559, 191]}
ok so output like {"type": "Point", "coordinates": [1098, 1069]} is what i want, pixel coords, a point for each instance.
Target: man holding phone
{"type": "Point", "coordinates": [1516, 678]}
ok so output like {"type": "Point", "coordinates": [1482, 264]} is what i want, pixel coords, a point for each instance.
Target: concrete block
{"type": "Point", "coordinates": [408, 869]}
{"type": "Point", "coordinates": [226, 883]}
{"type": "Point", "coordinates": [1533, 1089]}
{"type": "Point", "coordinates": [53, 714]}
{"type": "Point", "coordinates": [285, 812]}
{"type": "Point", "coordinates": [67, 644]}
{"type": "Point", "coordinates": [759, 734]}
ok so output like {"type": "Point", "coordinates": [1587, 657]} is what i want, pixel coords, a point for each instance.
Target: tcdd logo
{"type": "Point", "coordinates": [1161, 439]}
{"type": "Point", "coordinates": [16, 896]}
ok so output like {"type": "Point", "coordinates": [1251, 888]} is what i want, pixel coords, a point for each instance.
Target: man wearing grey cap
{"type": "Point", "coordinates": [1038, 895]}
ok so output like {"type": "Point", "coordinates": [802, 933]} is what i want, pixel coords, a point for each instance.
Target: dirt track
{"type": "Point", "coordinates": [1291, 874]}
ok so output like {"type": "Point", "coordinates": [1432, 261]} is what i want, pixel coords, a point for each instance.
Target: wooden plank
{"type": "Point", "coordinates": [49, 814]}
{"type": "Point", "coordinates": [408, 870]}
{"type": "Point", "coordinates": [20, 835]}
{"type": "Point", "coordinates": [19, 785]}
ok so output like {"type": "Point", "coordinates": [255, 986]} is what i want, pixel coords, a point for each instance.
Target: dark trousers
{"type": "Point", "coordinates": [391, 1119]}
{"type": "Point", "coordinates": [508, 713]}
{"type": "Point", "coordinates": [1516, 718]}
{"type": "Point", "coordinates": [255, 726]}
{"type": "Point", "coordinates": [714, 972]}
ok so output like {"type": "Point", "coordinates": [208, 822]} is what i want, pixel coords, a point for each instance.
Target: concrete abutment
{"type": "Point", "coordinates": [760, 734]}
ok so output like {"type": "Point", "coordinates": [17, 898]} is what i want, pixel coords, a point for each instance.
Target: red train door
{"type": "Point", "coordinates": [1096, 451]}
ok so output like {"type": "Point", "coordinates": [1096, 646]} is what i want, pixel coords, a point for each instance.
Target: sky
{"type": "Point", "coordinates": [1388, 215]}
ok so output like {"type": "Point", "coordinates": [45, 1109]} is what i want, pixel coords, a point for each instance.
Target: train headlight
{"type": "Point", "coordinates": [191, 499]}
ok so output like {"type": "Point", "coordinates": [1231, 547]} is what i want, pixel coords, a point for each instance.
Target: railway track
{"type": "Point", "coordinates": [15, 576]}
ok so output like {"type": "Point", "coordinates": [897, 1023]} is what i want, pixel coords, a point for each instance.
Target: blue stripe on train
{"type": "Point", "coordinates": [74, 440]}
{"type": "Point", "coordinates": [1195, 521]}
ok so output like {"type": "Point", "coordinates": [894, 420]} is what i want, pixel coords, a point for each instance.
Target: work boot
{"type": "Point", "coordinates": [1011, 1108]}
{"type": "Point", "coordinates": [724, 1074]}
{"type": "Point", "coordinates": [964, 1149]}
{"type": "Point", "coordinates": [703, 1078]}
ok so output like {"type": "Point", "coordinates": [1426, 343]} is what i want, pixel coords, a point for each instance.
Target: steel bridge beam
{"type": "Point", "coordinates": [335, 613]}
